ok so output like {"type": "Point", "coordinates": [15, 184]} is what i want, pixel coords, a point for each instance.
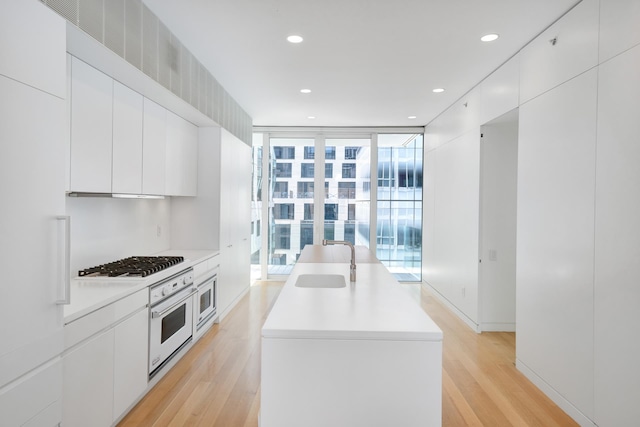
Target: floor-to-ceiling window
{"type": "Point", "coordinates": [319, 186]}
{"type": "Point", "coordinates": [399, 205]}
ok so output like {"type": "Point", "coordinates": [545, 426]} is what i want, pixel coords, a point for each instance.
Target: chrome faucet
{"type": "Point", "coordinates": [352, 268]}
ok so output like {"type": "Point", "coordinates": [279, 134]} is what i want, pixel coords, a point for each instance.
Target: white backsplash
{"type": "Point", "coordinates": [106, 229]}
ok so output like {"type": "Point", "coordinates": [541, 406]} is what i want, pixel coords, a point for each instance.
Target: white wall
{"type": "Point", "coordinates": [105, 229]}
{"type": "Point", "coordinates": [451, 253]}
{"type": "Point", "coordinates": [578, 234]}
{"type": "Point", "coordinates": [195, 220]}
{"type": "Point", "coordinates": [498, 189]}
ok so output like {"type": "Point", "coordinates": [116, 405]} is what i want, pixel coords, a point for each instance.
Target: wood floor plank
{"type": "Point", "coordinates": [217, 383]}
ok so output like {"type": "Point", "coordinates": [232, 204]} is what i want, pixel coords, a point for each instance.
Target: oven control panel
{"type": "Point", "coordinates": [170, 286]}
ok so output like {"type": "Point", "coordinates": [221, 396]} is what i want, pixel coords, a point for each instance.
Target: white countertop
{"type": "Point", "coordinates": [374, 308]}
{"type": "Point", "coordinates": [90, 294]}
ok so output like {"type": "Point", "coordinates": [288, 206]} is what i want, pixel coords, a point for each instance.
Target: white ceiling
{"type": "Point", "coordinates": [367, 62]}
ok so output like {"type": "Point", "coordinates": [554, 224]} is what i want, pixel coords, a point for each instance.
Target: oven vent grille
{"type": "Point", "coordinates": [132, 31]}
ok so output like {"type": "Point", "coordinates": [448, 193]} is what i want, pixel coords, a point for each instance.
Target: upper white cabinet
{"type": "Point", "coordinates": [127, 140]}
{"type": "Point", "coordinates": [567, 48]}
{"type": "Point", "coordinates": [619, 29]}
{"type": "Point", "coordinates": [91, 128]}
{"type": "Point", "coordinates": [182, 157]}
{"type": "Point", "coordinates": [154, 137]}
{"type": "Point", "coordinates": [31, 50]}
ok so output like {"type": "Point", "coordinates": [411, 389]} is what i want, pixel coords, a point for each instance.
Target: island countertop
{"type": "Point", "coordinates": [373, 308]}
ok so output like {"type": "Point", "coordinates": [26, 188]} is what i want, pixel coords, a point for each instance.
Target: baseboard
{"type": "Point", "coordinates": [556, 397]}
{"type": "Point", "coordinates": [497, 327]}
{"type": "Point", "coordinates": [473, 325]}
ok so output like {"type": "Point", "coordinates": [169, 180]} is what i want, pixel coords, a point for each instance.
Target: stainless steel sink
{"type": "Point", "coordinates": [320, 281]}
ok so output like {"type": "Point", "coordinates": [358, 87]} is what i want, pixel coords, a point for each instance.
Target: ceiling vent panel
{"type": "Point", "coordinates": [195, 71]}
{"type": "Point", "coordinates": [67, 8]}
{"type": "Point", "coordinates": [91, 18]}
{"type": "Point", "coordinates": [149, 43]}
{"type": "Point", "coordinates": [185, 73]}
{"type": "Point", "coordinates": [114, 26]}
{"type": "Point", "coordinates": [175, 71]}
{"type": "Point", "coordinates": [166, 56]}
{"type": "Point", "coordinates": [133, 33]}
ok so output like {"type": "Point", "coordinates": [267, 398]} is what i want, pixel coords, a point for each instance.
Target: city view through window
{"type": "Point", "coordinates": [343, 208]}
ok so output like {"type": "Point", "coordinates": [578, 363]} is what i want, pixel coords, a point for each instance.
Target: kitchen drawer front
{"type": "Point", "coordinates": [545, 63]}
{"type": "Point", "coordinates": [202, 270]}
{"type": "Point", "coordinates": [103, 318]}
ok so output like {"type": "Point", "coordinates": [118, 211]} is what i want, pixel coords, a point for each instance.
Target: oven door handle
{"type": "Point", "coordinates": [156, 314]}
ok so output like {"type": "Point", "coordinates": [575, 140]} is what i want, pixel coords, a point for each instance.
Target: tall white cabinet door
{"type": "Point", "coordinates": [32, 182]}
{"type": "Point", "coordinates": [555, 222]}
{"type": "Point", "coordinates": [91, 128]}
{"type": "Point", "coordinates": [130, 361]}
{"type": "Point", "coordinates": [617, 349]}
{"type": "Point", "coordinates": [153, 148]}
{"type": "Point", "coordinates": [182, 157]}
{"type": "Point", "coordinates": [235, 219]}
{"type": "Point", "coordinates": [127, 140]}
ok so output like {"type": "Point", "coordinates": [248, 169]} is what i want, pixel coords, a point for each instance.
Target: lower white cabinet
{"type": "Point", "coordinates": [87, 392]}
{"type": "Point", "coordinates": [105, 364]}
{"type": "Point", "coordinates": [131, 344]}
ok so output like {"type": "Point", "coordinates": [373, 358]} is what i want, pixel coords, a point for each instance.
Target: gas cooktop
{"type": "Point", "coordinates": [135, 266]}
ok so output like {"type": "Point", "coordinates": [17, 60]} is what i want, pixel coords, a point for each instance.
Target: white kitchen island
{"type": "Point", "coordinates": [361, 355]}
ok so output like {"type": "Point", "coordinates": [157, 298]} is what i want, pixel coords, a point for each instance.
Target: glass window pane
{"type": "Point", "coordinates": [399, 206]}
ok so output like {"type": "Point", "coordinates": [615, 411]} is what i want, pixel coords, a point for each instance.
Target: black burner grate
{"type": "Point", "coordinates": [137, 266]}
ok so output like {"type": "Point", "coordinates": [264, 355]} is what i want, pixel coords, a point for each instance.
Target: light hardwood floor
{"type": "Point", "coordinates": [217, 383]}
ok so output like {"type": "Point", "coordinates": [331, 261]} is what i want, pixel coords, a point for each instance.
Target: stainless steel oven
{"type": "Point", "coordinates": [206, 300]}
{"type": "Point", "coordinates": [170, 318]}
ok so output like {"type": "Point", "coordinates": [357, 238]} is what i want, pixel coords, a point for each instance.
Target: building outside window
{"type": "Point", "coordinates": [351, 153]}
{"type": "Point", "coordinates": [284, 152]}
{"type": "Point", "coordinates": [331, 212]}
{"type": "Point", "coordinates": [329, 153]}
{"type": "Point", "coordinates": [328, 170]}
{"type": "Point", "coordinates": [306, 170]}
{"type": "Point", "coordinates": [283, 211]}
{"type": "Point", "coordinates": [283, 170]}
{"type": "Point", "coordinates": [348, 170]}
{"type": "Point", "coordinates": [346, 190]}
{"type": "Point", "coordinates": [281, 189]}
{"type": "Point", "coordinates": [351, 214]}
{"type": "Point", "coordinates": [305, 190]}
{"type": "Point", "coordinates": [306, 234]}
{"type": "Point", "coordinates": [282, 236]}
{"type": "Point", "coordinates": [308, 211]}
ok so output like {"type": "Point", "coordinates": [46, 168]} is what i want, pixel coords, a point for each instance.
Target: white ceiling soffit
{"type": "Point", "coordinates": [367, 62]}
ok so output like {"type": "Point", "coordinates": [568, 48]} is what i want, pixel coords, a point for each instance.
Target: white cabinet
{"type": "Point", "coordinates": [182, 157]}
{"type": "Point", "coordinates": [617, 233]}
{"type": "Point", "coordinates": [88, 383]}
{"type": "Point", "coordinates": [91, 128]}
{"type": "Point", "coordinates": [567, 48]}
{"type": "Point", "coordinates": [32, 184]}
{"type": "Point", "coordinates": [555, 242]}
{"type": "Point", "coordinates": [105, 364]}
{"type": "Point", "coordinates": [619, 29]}
{"type": "Point", "coordinates": [127, 140]}
{"type": "Point", "coordinates": [153, 148]}
{"type": "Point", "coordinates": [30, 43]}
{"type": "Point", "coordinates": [131, 358]}
{"type": "Point", "coordinates": [235, 220]}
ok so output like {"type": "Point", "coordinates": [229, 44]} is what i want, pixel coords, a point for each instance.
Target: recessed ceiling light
{"type": "Point", "coordinates": [294, 39]}
{"type": "Point", "coordinates": [311, 117]}
{"type": "Point", "coordinates": [411, 117]}
{"type": "Point", "coordinates": [489, 37]}
{"type": "Point", "coordinates": [438, 90]}
{"type": "Point", "coordinates": [305, 90]}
